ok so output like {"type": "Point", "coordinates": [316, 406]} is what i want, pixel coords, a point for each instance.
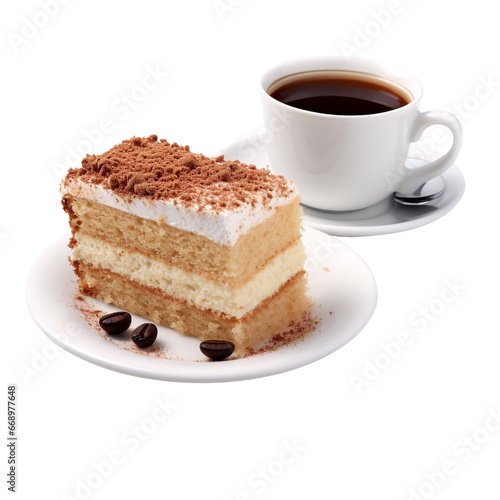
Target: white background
{"type": "Point", "coordinates": [61, 79]}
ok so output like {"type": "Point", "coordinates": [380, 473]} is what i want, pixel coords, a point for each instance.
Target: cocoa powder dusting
{"type": "Point", "coordinates": [157, 170]}
{"type": "Point", "coordinates": [88, 311]}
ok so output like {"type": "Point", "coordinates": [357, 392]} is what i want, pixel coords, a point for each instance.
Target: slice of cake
{"type": "Point", "coordinates": [211, 248]}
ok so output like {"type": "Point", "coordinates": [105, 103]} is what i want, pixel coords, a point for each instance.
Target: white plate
{"type": "Point", "coordinates": [341, 284]}
{"type": "Point", "coordinates": [384, 218]}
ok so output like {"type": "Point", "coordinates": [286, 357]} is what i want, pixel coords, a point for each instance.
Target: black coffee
{"type": "Point", "coordinates": [339, 93]}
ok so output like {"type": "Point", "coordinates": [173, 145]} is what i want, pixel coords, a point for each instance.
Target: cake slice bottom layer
{"type": "Point", "coordinates": [273, 315]}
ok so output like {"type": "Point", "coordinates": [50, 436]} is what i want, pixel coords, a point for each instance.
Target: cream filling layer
{"type": "Point", "coordinates": [193, 288]}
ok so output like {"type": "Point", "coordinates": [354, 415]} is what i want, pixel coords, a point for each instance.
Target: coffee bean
{"type": "Point", "coordinates": [217, 349]}
{"type": "Point", "coordinates": [116, 322]}
{"type": "Point", "coordinates": [145, 334]}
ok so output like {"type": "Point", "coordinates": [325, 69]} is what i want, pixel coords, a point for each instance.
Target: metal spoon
{"type": "Point", "coordinates": [424, 194]}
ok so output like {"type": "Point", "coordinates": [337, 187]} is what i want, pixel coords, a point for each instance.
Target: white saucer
{"type": "Point", "coordinates": [341, 285]}
{"type": "Point", "coordinates": [386, 217]}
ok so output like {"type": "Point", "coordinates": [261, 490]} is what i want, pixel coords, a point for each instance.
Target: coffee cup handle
{"type": "Point", "coordinates": [413, 178]}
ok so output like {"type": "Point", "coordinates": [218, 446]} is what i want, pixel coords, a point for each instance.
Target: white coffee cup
{"type": "Point", "coordinates": [350, 162]}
